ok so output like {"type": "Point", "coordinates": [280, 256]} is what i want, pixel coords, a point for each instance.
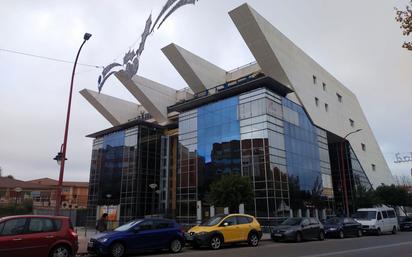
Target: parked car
{"type": "Point", "coordinates": [377, 220]}
{"type": "Point", "coordinates": [405, 223]}
{"type": "Point", "coordinates": [139, 235]}
{"type": "Point", "coordinates": [342, 227]}
{"type": "Point", "coordinates": [225, 228]}
{"type": "Point", "coordinates": [298, 229]}
{"type": "Point", "coordinates": [35, 235]}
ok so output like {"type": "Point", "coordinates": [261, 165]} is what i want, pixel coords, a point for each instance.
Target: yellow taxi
{"type": "Point", "coordinates": [225, 228]}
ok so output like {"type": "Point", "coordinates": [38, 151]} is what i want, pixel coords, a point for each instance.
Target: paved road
{"type": "Point", "coordinates": [399, 245]}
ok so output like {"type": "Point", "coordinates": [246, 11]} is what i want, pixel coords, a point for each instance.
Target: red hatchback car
{"type": "Point", "coordinates": [34, 235]}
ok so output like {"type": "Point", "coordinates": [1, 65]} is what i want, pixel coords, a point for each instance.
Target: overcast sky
{"type": "Point", "coordinates": [358, 42]}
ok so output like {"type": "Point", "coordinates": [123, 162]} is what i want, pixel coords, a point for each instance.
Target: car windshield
{"type": "Point", "coordinates": [213, 221]}
{"type": "Point", "coordinates": [292, 222]}
{"type": "Point", "coordinates": [333, 221]}
{"type": "Point", "coordinates": [365, 215]}
{"type": "Point", "coordinates": [127, 226]}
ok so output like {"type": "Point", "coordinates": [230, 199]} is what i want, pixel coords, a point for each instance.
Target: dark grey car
{"type": "Point", "coordinates": [298, 229]}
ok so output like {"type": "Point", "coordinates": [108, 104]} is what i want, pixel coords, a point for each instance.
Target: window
{"type": "Point", "coordinates": [316, 101]}
{"type": "Point", "coordinates": [363, 147]}
{"type": "Point", "coordinates": [326, 107]}
{"type": "Point", "coordinates": [13, 227]}
{"type": "Point", "coordinates": [324, 86]}
{"type": "Point", "coordinates": [314, 79]}
{"type": "Point", "coordinates": [305, 222]}
{"type": "Point", "coordinates": [161, 224]}
{"type": "Point", "coordinates": [231, 221]}
{"type": "Point", "coordinates": [313, 221]}
{"type": "Point", "coordinates": [146, 225]}
{"type": "Point", "coordinates": [384, 214]}
{"type": "Point", "coordinates": [391, 214]}
{"type": "Point", "coordinates": [38, 225]}
{"type": "Point", "coordinates": [379, 216]}
{"type": "Point", "coordinates": [243, 220]}
{"type": "Point", "coordinates": [352, 123]}
{"type": "Point", "coordinates": [373, 167]}
{"type": "Point", "coordinates": [339, 97]}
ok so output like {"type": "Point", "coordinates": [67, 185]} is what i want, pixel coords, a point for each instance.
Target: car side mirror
{"type": "Point", "coordinates": [225, 224]}
{"type": "Point", "coordinates": [303, 225]}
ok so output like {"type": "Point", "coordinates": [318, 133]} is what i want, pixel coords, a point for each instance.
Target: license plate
{"type": "Point", "coordinates": [278, 235]}
{"type": "Point", "coordinates": [90, 244]}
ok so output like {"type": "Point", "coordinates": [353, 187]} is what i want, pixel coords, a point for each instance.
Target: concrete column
{"type": "Point", "coordinates": [316, 213]}
{"type": "Point", "coordinates": [291, 213]}
{"type": "Point", "coordinates": [199, 212]}
{"type": "Point", "coordinates": [212, 211]}
{"type": "Point", "coordinates": [226, 210]}
{"type": "Point", "coordinates": [299, 213]}
{"type": "Point", "coordinates": [242, 208]}
{"type": "Point", "coordinates": [307, 213]}
{"type": "Point", "coordinates": [323, 213]}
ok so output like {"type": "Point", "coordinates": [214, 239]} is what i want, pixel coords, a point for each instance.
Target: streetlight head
{"type": "Point", "coordinates": [87, 36]}
{"type": "Point", "coordinates": [59, 157]}
{"type": "Point", "coordinates": [153, 186]}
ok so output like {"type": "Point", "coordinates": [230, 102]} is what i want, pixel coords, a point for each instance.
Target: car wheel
{"type": "Point", "coordinates": [359, 234]}
{"type": "Point", "coordinates": [394, 230]}
{"type": "Point", "coordinates": [321, 236]}
{"type": "Point", "coordinates": [60, 251]}
{"type": "Point", "coordinates": [253, 239]}
{"type": "Point", "coordinates": [175, 246]}
{"type": "Point", "coordinates": [215, 242]}
{"type": "Point", "coordinates": [117, 250]}
{"type": "Point", "coordinates": [298, 237]}
{"type": "Point", "coordinates": [378, 232]}
{"type": "Point", "coordinates": [341, 234]}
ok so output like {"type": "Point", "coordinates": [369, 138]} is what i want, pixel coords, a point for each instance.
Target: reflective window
{"type": "Point", "coordinates": [37, 225]}
{"type": "Point", "coordinates": [13, 227]}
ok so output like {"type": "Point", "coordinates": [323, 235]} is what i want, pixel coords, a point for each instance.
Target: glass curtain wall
{"type": "Point", "coordinates": [257, 134]}
{"type": "Point", "coordinates": [124, 164]}
{"type": "Point", "coordinates": [347, 172]}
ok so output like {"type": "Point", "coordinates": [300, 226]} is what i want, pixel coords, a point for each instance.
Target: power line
{"type": "Point", "coordinates": [50, 58]}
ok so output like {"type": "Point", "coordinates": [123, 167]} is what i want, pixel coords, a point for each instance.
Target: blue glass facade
{"type": "Point", "coordinates": [217, 123]}
{"type": "Point", "coordinates": [302, 150]}
{"type": "Point", "coordinates": [257, 134]}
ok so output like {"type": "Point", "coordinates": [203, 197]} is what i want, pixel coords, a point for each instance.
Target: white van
{"type": "Point", "coordinates": [377, 220]}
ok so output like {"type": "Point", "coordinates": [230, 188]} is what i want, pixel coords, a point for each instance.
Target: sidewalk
{"type": "Point", "coordinates": [84, 236]}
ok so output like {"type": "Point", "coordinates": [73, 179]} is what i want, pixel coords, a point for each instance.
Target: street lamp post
{"type": "Point", "coordinates": [66, 130]}
{"type": "Point", "coordinates": [345, 190]}
{"type": "Point", "coordinates": [153, 187]}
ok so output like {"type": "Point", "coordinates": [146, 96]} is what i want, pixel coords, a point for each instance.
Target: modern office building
{"type": "Point", "coordinates": [284, 121]}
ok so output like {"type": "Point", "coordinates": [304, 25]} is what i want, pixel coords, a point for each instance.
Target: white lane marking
{"type": "Point", "coordinates": [357, 250]}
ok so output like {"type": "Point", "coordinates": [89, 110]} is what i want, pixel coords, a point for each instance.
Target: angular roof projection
{"type": "Point", "coordinates": [198, 73]}
{"type": "Point", "coordinates": [282, 60]}
{"type": "Point", "coordinates": [154, 96]}
{"type": "Point", "coordinates": [115, 110]}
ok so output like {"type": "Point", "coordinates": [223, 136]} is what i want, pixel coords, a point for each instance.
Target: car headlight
{"type": "Point", "coordinates": [103, 239]}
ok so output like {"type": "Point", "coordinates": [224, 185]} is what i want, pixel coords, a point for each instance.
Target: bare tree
{"type": "Point", "coordinates": [404, 17]}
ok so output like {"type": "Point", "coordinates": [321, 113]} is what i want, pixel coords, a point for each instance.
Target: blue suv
{"type": "Point", "coordinates": [139, 235]}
